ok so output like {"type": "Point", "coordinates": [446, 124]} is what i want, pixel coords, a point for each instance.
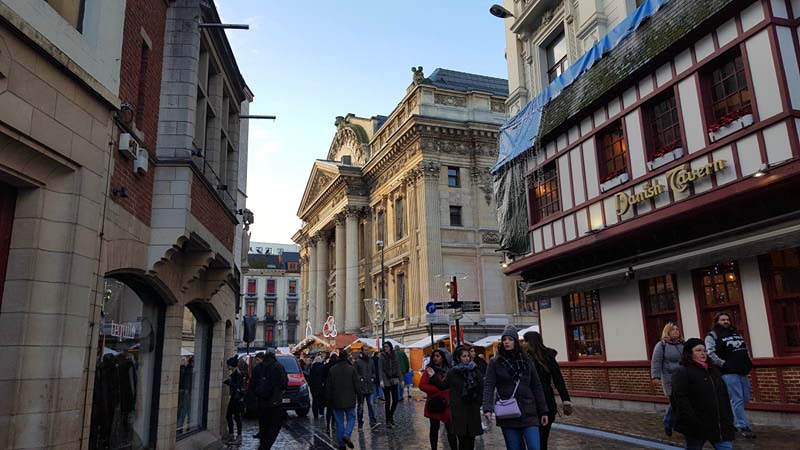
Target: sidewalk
{"type": "Point", "coordinates": [648, 426]}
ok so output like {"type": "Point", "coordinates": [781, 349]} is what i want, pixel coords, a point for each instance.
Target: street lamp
{"type": "Point", "coordinates": [499, 11]}
{"type": "Point", "coordinates": [383, 296]}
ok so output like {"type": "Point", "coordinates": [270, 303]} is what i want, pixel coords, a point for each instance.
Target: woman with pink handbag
{"type": "Point", "coordinates": [513, 394]}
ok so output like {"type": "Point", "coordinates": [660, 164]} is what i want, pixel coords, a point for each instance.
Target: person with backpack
{"type": "Point", "coordinates": [700, 398]}
{"type": "Point", "coordinates": [233, 413]}
{"type": "Point", "coordinates": [269, 383]}
{"type": "Point", "coordinates": [342, 390]}
{"type": "Point", "coordinates": [666, 360]}
{"type": "Point", "coordinates": [512, 393]}
{"type": "Point", "coordinates": [549, 372]}
{"type": "Point", "coordinates": [727, 350]}
{"type": "Point", "coordinates": [437, 403]}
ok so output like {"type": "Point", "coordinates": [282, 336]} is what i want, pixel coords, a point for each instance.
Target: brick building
{"type": "Point", "coordinates": [122, 191]}
{"type": "Point", "coordinates": [661, 186]}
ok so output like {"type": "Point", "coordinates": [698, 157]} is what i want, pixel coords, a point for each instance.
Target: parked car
{"type": "Point", "coordinates": [296, 398]}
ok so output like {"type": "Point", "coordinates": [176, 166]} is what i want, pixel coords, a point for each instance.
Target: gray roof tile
{"type": "Point", "coordinates": [465, 82]}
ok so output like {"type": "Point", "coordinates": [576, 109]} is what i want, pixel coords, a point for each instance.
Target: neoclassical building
{"type": "Point", "coordinates": [417, 180]}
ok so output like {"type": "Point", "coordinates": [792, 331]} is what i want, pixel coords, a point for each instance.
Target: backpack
{"type": "Point", "coordinates": [264, 387]}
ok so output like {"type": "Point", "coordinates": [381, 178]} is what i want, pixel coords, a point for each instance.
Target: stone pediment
{"type": "Point", "coordinates": [350, 140]}
{"type": "Point", "coordinates": [323, 174]}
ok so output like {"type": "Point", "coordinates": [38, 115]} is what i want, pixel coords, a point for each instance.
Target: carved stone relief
{"type": "Point", "coordinates": [490, 237]}
{"type": "Point", "coordinates": [498, 106]}
{"type": "Point", "coordinates": [483, 178]}
{"type": "Point", "coordinates": [450, 100]}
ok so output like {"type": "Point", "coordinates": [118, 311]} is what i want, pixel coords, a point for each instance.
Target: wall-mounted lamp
{"type": "Point", "coordinates": [761, 171]}
{"type": "Point", "coordinates": [121, 192]}
{"type": "Point", "coordinates": [630, 274]}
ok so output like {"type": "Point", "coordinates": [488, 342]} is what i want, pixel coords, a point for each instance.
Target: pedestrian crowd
{"type": "Point", "coordinates": [706, 382]}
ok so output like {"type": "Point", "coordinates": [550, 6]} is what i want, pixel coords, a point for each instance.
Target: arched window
{"type": "Point", "coordinates": [194, 370]}
{"type": "Point", "coordinates": [127, 370]}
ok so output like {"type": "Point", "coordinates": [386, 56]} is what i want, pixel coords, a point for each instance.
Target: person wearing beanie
{"type": "Point", "coordinates": [344, 381]}
{"type": "Point", "coordinates": [316, 382]}
{"type": "Point", "coordinates": [513, 375]}
{"type": "Point", "coordinates": [269, 382]}
{"type": "Point", "coordinates": [700, 400]}
{"type": "Point", "coordinates": [235, 382]}
{"type": "Point", "coordinates": [549, 372]}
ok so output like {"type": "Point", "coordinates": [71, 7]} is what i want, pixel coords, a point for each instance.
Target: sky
{"type": "Point", "coordinates": [308, 62]}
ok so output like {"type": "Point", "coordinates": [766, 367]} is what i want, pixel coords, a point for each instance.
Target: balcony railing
{"type": "Point", "coordinates": [223, 190]}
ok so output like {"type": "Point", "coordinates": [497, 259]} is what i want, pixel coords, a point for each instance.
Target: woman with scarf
{"type": "Point", "coordinates": [701, 402]}
{"type": "Point", "coordinates": [437, 405]}
{"type": "Point", "coordinates": [666, 360]}
{"type": "Point", "coordinates": [316, 381]}
{"type": "Point", "coordinates": [390, 378]}
{"type": "Point", "coordinates": [549, 374]}
{"type": "Point", "coordinates": [465, 381]}
{"type": "Point", "coordinates": [511, 375]}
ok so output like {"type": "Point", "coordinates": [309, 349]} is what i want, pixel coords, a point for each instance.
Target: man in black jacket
{"type": "Point", "coordinates": [269, 382]}
{"type": "Point", "coordinates": [727, 350]}
{"type": "Point", "coordinates": [366, 374]}
{"type": "Point", "coordinates": [343, 380]}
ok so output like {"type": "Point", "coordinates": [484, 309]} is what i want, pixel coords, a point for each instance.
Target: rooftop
{"type": "Point", "coordinates": [465, 82]}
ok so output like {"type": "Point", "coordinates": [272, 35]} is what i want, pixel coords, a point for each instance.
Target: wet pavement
{"type": "Point", "coordinates": [587, 428]}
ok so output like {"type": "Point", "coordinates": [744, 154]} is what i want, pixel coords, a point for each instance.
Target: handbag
{"type": "Point", "coordinates": [509, 408]}
{"type": "Point", "coordinates": [436, 405]}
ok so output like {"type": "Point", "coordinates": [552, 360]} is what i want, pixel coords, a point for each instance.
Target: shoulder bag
{"type": "Point", "coordinates": [507, 409]}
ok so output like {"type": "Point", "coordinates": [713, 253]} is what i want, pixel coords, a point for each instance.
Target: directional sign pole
{"type": "Point", "coordinates": [431, 309]}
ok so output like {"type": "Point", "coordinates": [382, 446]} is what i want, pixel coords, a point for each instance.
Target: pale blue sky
{"type": "Point", "coordinates": [310, 61]}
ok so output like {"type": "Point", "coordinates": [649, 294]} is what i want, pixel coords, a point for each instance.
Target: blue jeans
{"type": "Point", "coordinates": [668, 425]}
{"type": "Point", "coordinates": [739, 392]}
{"type": "Point", "coordinates": [520, 438]}
{"type": "Point", "coordinates": [343, 429]}
{"type": "Point", "coordinates": [400, 390]}
{"type": "Point", "coordinates": [370, 399]}
{"type": "Point", "coordinates": [378, 391]}
{"type": "Point", "coordinates": [697, 444]}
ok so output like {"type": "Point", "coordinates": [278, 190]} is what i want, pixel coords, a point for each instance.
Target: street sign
{"type": "Point", "coordinates": [544, 303]}
{"type": "Point", "coordinates": [430, 307]}
{"type": "Point", "coordinates": [457, 314]}
{"type": "Point", "coordinates": [430, 317]}
{"type": "Point", "coordinates": [470, 306]}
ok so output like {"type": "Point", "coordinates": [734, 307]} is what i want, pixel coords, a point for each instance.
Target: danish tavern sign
{"type": "Point", "coordinates": [678, 180]}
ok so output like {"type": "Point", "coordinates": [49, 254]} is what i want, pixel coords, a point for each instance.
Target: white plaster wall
{"type": "Point", "coordinates": [590, 163]}
{"type": "Point", "coordinates": [577, 175]}
{"type": "Point", "coordinates": [692, 119]}
{"type": "Point", "coordinates": [687, 302]}
{"type": "Point", "coordinates": [776, 140]}
{"type": "Point", "coordinates": [790, 64]}
{"type": "Point", "coordinates": [565, 183]}
{"type": "Point", "coordinates": [765, 79]}
{"type": "Point", "coordinates": [552, 326]}
{"type": "Point", "coordinates": [98, 50]}
{"type": "Point", "coordinates": [635, 143]}
{"type": "Point", "coordinates": [755, 308]}
{"type": "Point", "coordinates": [623, 330]}
{"type": "Point", "coordinates": [749, 155]}
{"type": "Point", "coordinates": [752, 15]}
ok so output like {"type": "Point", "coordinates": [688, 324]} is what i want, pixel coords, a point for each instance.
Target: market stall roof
{"type": "Point", "coordinates": [426, 341]}
{"type": "Point", "coordinates": [283, 350]}
{"type": "Point", "coordinates": [487, 341]}
{"type": "Point", "coordinates": [342, 340]}
{"type": "Point", "coordinates": [186, 352]}
{"type": "Point", "coordinates": [525, 330]}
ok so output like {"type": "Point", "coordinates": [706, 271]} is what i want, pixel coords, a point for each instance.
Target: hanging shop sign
{"type": "Point", "coordinates": [678, 180]}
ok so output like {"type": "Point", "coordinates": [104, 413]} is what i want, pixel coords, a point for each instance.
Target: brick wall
{"type": "Point", "coordinates": [211, 213]}
{"type": "Point", "coordinates": [150, 16]}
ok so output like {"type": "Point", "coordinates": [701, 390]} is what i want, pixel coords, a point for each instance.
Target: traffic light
{"type": "Point", "coordinates": [452, 289]}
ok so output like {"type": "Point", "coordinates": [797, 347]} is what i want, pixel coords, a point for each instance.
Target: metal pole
{"type": "Point", "coordinates": [455, 307]}
{"type": "Point", "coordinates": [383, 298]}
{"type": "Point", "coordinates": [433, 344]}
{"type": "Point", "coordinates": [228, 26]}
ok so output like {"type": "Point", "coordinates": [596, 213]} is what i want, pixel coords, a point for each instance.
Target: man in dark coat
{"type": "Point", "coordinates": [343, 380]}
{"type": "Point", "coordinates": [366, 374]}
{"type": "Point", "coordinates": [316, 381]}
{"type": "Point", "coordinates": [701, 402]}
{"type": "Point", "coordinates": [727, 350]}
{"type": "Point", "coordinates": [269, 383]}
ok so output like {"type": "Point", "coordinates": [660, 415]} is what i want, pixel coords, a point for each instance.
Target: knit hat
{"type": "Point", "coordinates": [233, 361]}
{"type": "Point", "coordinates": [510, 331]}
{"type": "Point", "coordinates": [689, 345]}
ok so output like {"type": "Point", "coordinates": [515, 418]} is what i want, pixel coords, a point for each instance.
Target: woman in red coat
{"type": "Point", "coordinates": [437, 405]}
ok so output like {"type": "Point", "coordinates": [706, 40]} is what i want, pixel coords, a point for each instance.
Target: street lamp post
{"type": "Point", "coordinates": [383, 297]}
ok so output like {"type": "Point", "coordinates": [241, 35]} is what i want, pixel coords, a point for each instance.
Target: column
{"type": "Point", "coordinates": [312, 286]}
{"type": "Point", "coordinates": [339, 300]}
{"type": "Point", "coordinates": [352, 324]}
{"type": "Point", "coordinates": [322, 279]}
{"type": "Point", "coordinates": [431, 239]}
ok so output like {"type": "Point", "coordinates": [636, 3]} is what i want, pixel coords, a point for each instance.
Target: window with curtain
{"type": "Point", "coordinates": [730, 93]}
{"type": "Point", "coordinates": [556, 57]}
{"type": "Point", "coordinates": [613, 150]}
{"type": "Point", "coordinates": [665, 127]}
{"type": "Point", "coordinates": [544, 193]}
{"type": "Point", "coordinates": [271, 287]}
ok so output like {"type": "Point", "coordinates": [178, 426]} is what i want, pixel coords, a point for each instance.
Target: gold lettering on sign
{"type": "Point", "coordinates": [678, 180]}
{"type": "Point", "coordinates": [625, 201]}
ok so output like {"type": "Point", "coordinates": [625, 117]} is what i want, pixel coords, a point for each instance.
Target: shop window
{"type": "Point", "coordinates": [271, 287]}
{"type": "Point", "coordinates": [455, 216]}
{"type": "Point", "coordinates": [127, 376]}
{"type": "Point", "coordinates": [718, 289]}
{"type": "Point", "coordinates": [453, 177]}
{"type": "Point", "coordinates": [659, 300]}
{"type": "Point", "coordinates": [544, 193]}
{"type": "Point", "coordinates": [399, 218]}
{"type": "Point", "coordinates": [293, 287]}
{"type": "Point", "coordinates": [194, 371]}
{"type": "Point", "coordinates": [613, 155]}
{"type": "Point", "coordinates": [665, 127]}
{"type": "Point", "coordinates": [584, 330]}
{"type": "Point", "coordinates": [781, 272]}
{"type": "Point", "coordinates": [729, 92]}
{"type": "Point", "coordinates": [251, 286]}
{"type": "Point", "coordinates": [401, 295]}
{"type": "Point", "coordinates": [556, 57]}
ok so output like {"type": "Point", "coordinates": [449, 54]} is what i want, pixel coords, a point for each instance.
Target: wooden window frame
{"type": "Point", "coordinates": [772, 298]}
{"type": "Point", "coordinates": [708, 84]}
{"type": "Point", "coordinates": [252, 282]}
{"type": "Point", "coordinates": [274, 291]}
{"type": "Point", "coordinates": [456, 176]}
{"type": "Point", "coordinates": [460, 215]}
{"type": "Point", "coordinates": [540, 209]}
{"type": "Point", "coordinates": [269, 334]}
{"type": "Point", "coordinates": [571, 324]}
{"type": "Point", "coordinates": [247, 307]}
{"type": "Point", "coordinates": [605, 139]}
{"type": "Point", "coordinates": [655, 136]}
{"type": "Point", "coordinates": [644, 295]}
{"type": "Point", "coordinates": [703, 311]}
{"type": "Point", "coordinates": [270, 305]}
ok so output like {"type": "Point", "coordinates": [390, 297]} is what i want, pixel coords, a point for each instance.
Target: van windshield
{"type": "Point", "coordinates": [290, 364]}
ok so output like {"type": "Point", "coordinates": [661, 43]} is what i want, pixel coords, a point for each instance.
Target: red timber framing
{"type": "Point", "coordinates": [8, 198]}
